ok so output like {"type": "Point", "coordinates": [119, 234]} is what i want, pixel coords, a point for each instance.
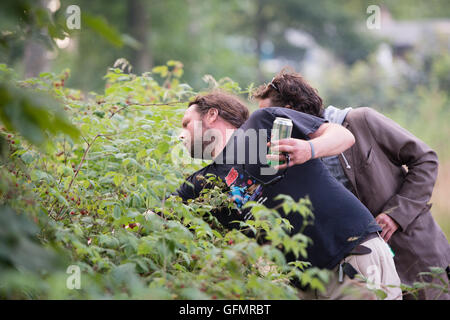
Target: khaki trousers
{"type": "Point", "coordinates": [376, 268]}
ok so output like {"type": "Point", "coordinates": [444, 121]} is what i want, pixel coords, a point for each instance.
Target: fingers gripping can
{"type": "Point", "coordinates": [281, 129]}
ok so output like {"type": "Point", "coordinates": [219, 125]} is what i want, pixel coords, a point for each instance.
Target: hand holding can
{"type": "Point", "coordinates": [281, 129]}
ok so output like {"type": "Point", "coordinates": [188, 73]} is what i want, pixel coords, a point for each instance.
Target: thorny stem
{"type": "Point", "coordinates": [78, 170]}
{"type": "Point", "coordinates": [147, 105]}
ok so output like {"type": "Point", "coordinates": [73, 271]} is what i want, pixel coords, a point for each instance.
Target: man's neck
{"type": "Point", "coordinates": [226, 130]}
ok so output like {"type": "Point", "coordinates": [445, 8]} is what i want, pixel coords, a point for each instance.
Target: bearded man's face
{"type": "Point", "coordinates": [193, 133]}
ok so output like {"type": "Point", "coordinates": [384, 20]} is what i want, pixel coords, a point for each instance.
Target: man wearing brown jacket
{"type": "Point", "coordinates": [390, 170]}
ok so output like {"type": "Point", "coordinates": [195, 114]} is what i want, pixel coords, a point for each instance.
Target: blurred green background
{"type": "Point", "coordinates": [401, 68]}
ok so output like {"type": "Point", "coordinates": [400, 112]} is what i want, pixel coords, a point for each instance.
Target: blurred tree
{"type": "Point", "coordinates": [196, 33]}
{"type": "Point", "coordinates": [30, 31]}
{"type": "Point", "coordinates": [27, 30]}
{"type": "Point", "coordinates": [139, 26]}
{"type": "Point", "coordinates": [221, 38]}
{"type": "Point", "coordinates": [331, 24]}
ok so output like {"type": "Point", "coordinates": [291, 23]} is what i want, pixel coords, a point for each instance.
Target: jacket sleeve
{"type": "Point", "coordinates": [403, 148]}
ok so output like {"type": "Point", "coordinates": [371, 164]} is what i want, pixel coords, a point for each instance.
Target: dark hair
{"type": "Point", "coordinates": [230, 108]}
{"type": "Point", "coordinates": [289, 89]}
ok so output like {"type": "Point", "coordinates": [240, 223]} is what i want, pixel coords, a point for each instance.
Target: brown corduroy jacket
{"type": "Point", "coordinates": [375, 166]}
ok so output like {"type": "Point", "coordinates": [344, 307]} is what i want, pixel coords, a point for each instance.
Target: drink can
{"type": "Point", "coordinates": [281, 129]}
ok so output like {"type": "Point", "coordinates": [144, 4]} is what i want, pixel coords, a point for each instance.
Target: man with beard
{"type": "Point", "coordinates": [344, 233]}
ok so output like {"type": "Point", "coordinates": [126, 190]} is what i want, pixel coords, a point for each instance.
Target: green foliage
{"type": "Point", "coordinates": [23, 18]}
{"type": "Point", "coordinates": [102, 202]}
{"type": "Point", "coordinates": [102, 28]}
{"type": "Point", "coordinates": [19, 247]}
{"type": "Point", "coordinates": [25, 107]}
{"type": "Point", "coordinates": [27, 18]}
{"type": "Point", "coordinates": [435, 279]}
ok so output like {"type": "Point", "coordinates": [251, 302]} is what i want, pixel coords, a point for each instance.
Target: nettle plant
{"type": "Point", "coordinates": [96, 194]}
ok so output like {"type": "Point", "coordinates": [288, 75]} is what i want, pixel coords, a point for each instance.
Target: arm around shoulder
{"type": "Point", "coordinates": [331, 139]}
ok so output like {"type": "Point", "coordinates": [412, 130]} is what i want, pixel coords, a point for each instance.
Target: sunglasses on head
{"type": "Point", "coordinates": [273, 85]}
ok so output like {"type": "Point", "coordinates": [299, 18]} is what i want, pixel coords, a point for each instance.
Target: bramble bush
{"type": "Point", "coordinates": [90, 187]}
{"type": "Point", "coordinates": [86, 182]}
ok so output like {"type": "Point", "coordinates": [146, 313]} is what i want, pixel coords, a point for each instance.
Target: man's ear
{"type": "Point", "coordinates": [212, 115]}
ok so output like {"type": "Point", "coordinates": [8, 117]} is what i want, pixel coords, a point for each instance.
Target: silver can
{"type": "Point", "coordinates": [281, 129]}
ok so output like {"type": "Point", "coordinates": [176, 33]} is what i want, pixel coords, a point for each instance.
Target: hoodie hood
{"type": "Point", "coordinates": [336, 115]}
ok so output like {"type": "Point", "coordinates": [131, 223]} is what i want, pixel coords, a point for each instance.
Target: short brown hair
{"type": "Point", "coordinates": [230, 108]}
{"type": "Point", "coordinates": [289, 89]}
